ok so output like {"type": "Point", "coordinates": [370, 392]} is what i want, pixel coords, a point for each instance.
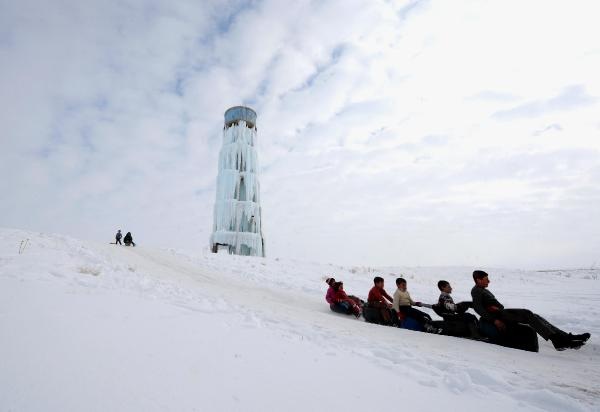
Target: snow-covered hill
{"type": "Point", "coordinates": [99, 327]}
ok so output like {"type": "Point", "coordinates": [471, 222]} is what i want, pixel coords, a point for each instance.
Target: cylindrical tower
{"type": "Point", "coordinates": [237, 215]}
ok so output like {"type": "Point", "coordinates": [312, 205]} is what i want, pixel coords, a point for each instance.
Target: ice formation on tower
{"type": "Point", "coordinates": [237, 215]}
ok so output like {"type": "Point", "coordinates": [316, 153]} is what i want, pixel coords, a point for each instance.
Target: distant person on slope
{"type": "Point", "coordinates": [493, 311]}
{"type": "Point", "coordinates": [377, 299]}
{"type": "Point", "coordinates": [128, 239]}
{"type": "Point", "coordinates": [118, 237]}
{"type": "Point", "coordinates": [403, 305]}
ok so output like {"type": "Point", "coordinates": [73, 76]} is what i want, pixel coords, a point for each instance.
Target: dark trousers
{"type": "Point", "coordinates": [543, 328]}
{"type": "Point", "coordinates": [118, 242]}
{"type": "Point", "coordinates": [461, 317]}
{"type": "Point", "coordinates": [342, 307]}
{"type": "Point", "coordinates": [386, 314]}
{"type": "Point", "coordinates": [459, 323]}
{"type": "Point", "coordinates": [416, 314]}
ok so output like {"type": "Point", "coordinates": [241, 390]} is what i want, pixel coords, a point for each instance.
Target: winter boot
{"type": "Point", "coordinates": [429, 328]}
{"type": "Point", "coordinates": [579, 338]}
{"type": "Point", "coordinates": [563, 341]}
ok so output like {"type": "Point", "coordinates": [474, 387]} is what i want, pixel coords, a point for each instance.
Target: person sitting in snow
{"type": "Point", "coordinates": [486, 305]}
{"type": "Point", "coordinates": [330, 292]}
{"type": "Point", "coordinates": [330, 297]}
{"type": "Point", "coordinates": [118, 237]}
{"type": "Point", "coordinates": [340, 299]}
{"type": "Point", "coordinates": [403, 305]}
{"type": "Point", "coordinates": [377, 299]}
{"type": "Point", "coordinates": [128, 239]}
{"type": "Point", "coordinates": [454, 313]}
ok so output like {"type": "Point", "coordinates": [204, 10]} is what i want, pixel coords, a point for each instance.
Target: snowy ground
{"type": "Point", "coordinates": [99, 327]}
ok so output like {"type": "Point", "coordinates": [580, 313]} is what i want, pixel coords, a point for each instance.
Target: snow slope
{"type": "Point", "coordinates": [98, 327]}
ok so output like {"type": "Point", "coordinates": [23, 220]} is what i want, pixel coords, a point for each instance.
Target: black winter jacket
{"type": "Point", "coordinates": [483, 299]}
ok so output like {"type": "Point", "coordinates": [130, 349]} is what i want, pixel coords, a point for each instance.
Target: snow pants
{"type": "Point", "coordinates": [342, 307]}
{"type": "Point", "coordinates": [543, 328]}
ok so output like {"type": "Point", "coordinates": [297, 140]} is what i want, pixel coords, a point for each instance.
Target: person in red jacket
{"type": "Point", "coordinates": [338, 301]}
{"type": "Point", "coordinates": [377, 299]}
{"type": "Point", "coordinates": [330, 292]}
{"type": "Point", "coordinates": [341, 298]}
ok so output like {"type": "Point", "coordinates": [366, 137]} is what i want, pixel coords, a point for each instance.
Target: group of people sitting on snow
{"type": "Point", "coordinates": [393, 310]}
{"type": "Point", "coordinates": [128, 239]}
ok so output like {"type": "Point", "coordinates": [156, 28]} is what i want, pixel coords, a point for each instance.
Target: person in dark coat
{"type": "Point", "coordinates": [488, 307]}
{"type": "Point", "coordinates": [118, 237]}
{"type": "Point", "coordinates": [128, 239]}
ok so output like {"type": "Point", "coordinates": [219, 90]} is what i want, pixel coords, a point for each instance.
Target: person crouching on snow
{"type": "Point", "coordinates": [128, 240]}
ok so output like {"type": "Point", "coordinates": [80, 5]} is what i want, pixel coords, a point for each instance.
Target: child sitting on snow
{"type": "Point", "coordinates": [377, 299]}
{"type": "Point", "coordinates": [335, 299]}
{"type": "Point", "coordinates": [456, 312]}
{"type": "Point", "coordinates": [403, 303]}
{"type": "Point", "coordinates": [330, 292]}
{"type": "Point", "coordinates": [340, 298]}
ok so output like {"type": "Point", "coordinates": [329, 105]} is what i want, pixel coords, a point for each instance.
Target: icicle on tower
{"type": "Point", "coordinates": [237, 215]}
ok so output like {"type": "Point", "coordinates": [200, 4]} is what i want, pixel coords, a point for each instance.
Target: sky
{"type": "Point", "coordinates": [419, 133]}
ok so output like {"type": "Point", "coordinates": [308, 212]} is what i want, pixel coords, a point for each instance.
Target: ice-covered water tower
{"type": "Point", "coordinates": [237, 215]}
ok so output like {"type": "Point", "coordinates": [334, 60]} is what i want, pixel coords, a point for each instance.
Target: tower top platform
{"type": "Point", "coordinates": [237, 113]}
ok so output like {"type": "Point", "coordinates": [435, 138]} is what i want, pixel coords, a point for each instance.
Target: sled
{"type": "Point", "coordinates": [451, 325]}
{"type": "Point", "coordinates": [516, 336]}
{"type": "Point", "coordinates": [373, 315]}
{"type": "Point", "coordinates": [410, 324]}
{"type": "Point", "coordinates": [337, 309]}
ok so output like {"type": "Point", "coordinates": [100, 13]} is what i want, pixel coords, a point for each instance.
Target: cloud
{"type": "Point", "coordinates": [570, 98]}
{"type": "Point", "coordinates": [554, 127]}
{"type": "Point", "coordinates": [490, 95]}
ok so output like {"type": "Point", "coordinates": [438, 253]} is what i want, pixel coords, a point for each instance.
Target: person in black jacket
{"type": "Point", "coordinates": [128, 239]}
{"type": "Point", "coordinates": [488, 307]}
{"type": "Point", "coordinates": [118, 237]}
{"type": "Point", "coordinates": [456, 314]}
